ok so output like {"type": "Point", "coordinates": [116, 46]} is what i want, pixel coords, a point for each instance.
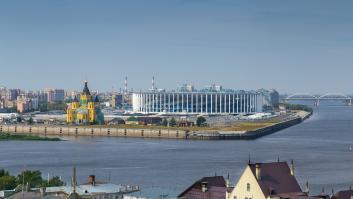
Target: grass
{"type": "Point", "coordinates": [7, 137]}
{"type": "Point", "coordinates": [235, 126]}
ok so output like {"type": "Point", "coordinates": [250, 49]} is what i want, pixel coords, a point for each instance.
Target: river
{"type": "Point", "coordinates": [318, 146]}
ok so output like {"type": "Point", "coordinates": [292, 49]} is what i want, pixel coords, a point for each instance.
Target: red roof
{"type": "Point", "coordinates": [276, 178]}
{"type": "Point", "coordinates": [216, 189]}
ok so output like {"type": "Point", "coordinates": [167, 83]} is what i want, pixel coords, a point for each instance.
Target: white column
{"type": "Point", "coordinates": [192, 102]}
{"type": "Point", "coordinates": [178, 103]}
{"type": "Point", "coordinates": [182, 102]}
{"type": "Point", "coordinates": [173, 103]}
{"type": "Point", "coordinates": [164, 98]}
{"type": "Point", "coordinates": [248, 103]}
{"type": "Point", "coordinates": [233, 103]}
{"type": "Point", "coordinates": [228, 103]}
{"type": "Point", "coordinates": [168, 102]}
{"type": "Point", "coordinates": [206, 103]}
{"type": "Point", "coordinates": [201, 103]}
{"type": "Point", "coordinates": [211, 103]}
{"type": "Point", "coordinates": [187, 102]}
{"type": "Point", "coordinates": [197, 103]}
{"type": "Point", "coordinates": [215, 106]}
{"type": "Point", "coordinates": [225, 103]}
{"type": "Point", "coordinates": [237, 103]}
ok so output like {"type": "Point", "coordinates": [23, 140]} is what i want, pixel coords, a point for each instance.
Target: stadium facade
{"type": "Point", "coordinates": [208, 101]}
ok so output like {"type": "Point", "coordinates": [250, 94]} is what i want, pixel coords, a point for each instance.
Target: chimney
{"type": "Point", "coordinates": [292, 168]}
{"type": "Point", "coordinates": [204, 187]}
{"type": "Point", "coordinates": [153, 86]}
{"type": "Point", "coordinates": [227, 181]}
{"type": "Point", "coordinates": [92, 180]}
{"type": "Point", "coordinates": [258, 171]}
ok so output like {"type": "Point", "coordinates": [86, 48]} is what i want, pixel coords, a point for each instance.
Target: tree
{"type": "Point", "coordinates": [201, 121]}
{"type": "Point", "coordinates": [7, 182]}
{"type": "Point", "coordinates": [30, 121]}
{"type": "Point", "coordinates": [165, 122]}
{"type": "Point", "coordinates": [53, 182]}
{"type": "Point", "coordinates": [19, 119]}
{"type": "Point", "coordinates": [132, 119]}
{"type": "Point", "coordinates": [3, 172]}
{"type": "Point", "coordinates": [172, 122]}
{"type": "Point", "coordinates": [33, 178]}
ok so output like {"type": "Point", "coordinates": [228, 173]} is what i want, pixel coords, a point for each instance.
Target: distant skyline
{"type": "Point", "coordinates": [292, 46]}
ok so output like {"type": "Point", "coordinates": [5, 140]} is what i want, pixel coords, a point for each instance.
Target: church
{"type": "Point", "coordinates": [85, 110]}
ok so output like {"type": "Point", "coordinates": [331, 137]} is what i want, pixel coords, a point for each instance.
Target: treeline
{"type": "Point", "coordinates": [29, 179]}
{"type": "Point", "coordinates": [299, 107]}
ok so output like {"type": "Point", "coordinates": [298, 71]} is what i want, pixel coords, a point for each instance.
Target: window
{"type": "Point", "coordinates": [248, 187]}
{"type": "Point", "coordinates": [234, 197]}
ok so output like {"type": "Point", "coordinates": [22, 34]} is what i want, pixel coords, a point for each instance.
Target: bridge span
{"type": "Point", "coordinates": [317, 98]}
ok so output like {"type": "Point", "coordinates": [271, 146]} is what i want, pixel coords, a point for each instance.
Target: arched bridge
{"type": "Point", "coordinates": [317, 98]}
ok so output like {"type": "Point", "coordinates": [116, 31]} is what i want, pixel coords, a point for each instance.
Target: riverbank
{"type": "Point", "coordinates": [10, 137]}
{"type": "Point", "coordinates": [297, 118]}
{"type": "Point", "coordinates": [241, 130]}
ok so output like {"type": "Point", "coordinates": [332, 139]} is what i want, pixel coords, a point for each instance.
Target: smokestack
{"type": "Point", "coordinates": [204, 187]}
{"type": "Point", "coordinates": [153, 83]}
{"type": "Point", "coordinates": [292, 168]}
{"type": "Point", "coordinates": [258, 171]}
{"type": "Point", "coordinates": [125, 85]}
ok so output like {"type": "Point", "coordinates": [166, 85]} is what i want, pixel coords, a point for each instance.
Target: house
{"type": "Point", "coordinates": [273, 180]}
{"type": "Point", "coordinates": [149, 120]}
{"type": "Point", "coordinates": [116, 121]}
{"type": "Point", "coordinates": [93, 189]}
{"type": "Point", "coordinates": [185, 123]}
{"type": "Point", "coordinates": [206, 188]}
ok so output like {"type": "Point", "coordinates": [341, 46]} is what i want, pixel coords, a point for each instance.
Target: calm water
{"type": "Point", "coordinates": [319, 147]}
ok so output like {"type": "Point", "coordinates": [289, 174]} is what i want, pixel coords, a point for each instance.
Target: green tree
{"type": "Point", "coordinates": [53, 182]}
{"type": "Point", "coordinates": [132, 119]}
{"type": "Point", "coordinates": [165, 122]}
{"type": "Point", "coordinates": [33, 178]}
{"type": "Point", "coordinates": [3, 172]}
{"type": "Point", "coordinates": [172, 122]}
{"type": "Point", "coordinates": [201, 121]}
{"type": "Point", "coordinates": [30, 121]}
{"type": "Point", "coordinates": [19, 119]}
{"type": "Point", "coordinates": [7, 182]}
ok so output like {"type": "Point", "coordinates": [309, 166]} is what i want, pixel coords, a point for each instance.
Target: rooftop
{"type": "Point", "coordinates": [276, 178]}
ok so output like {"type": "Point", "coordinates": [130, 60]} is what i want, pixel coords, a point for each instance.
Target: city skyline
{"type": "Point", "coordinates": [293, 47]}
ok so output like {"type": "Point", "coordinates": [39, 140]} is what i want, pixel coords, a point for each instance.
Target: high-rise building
{"type": "Point", "coordinates": [13, 94]}
{"type": "Point", "coordinates": [59, 95]}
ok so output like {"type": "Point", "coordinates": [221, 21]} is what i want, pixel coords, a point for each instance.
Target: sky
{"type": "Point", "coordinates": [292, 46]}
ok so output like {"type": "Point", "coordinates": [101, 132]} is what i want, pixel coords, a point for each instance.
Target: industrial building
{"type": "Point", "coordinates": [213, 100]}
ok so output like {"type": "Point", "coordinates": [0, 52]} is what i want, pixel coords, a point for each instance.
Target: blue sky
{"type": "Point", "coordinates": [293, 46]}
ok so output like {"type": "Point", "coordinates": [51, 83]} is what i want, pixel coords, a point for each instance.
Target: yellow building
{"type": "Point", "coordinates": [85, 110]}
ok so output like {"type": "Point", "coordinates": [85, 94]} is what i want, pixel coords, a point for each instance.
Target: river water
{"type": "Point", "coordinates": [318, 146]}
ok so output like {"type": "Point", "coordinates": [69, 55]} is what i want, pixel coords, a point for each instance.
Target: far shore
{"type": "Point", "coordinates": [23, 137]}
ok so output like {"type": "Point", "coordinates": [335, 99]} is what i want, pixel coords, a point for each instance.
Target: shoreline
{"type": "Point", "coordinates": [155, 132]}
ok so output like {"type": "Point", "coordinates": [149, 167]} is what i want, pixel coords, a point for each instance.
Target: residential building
{"type": "Point", "coordinates": [268, 181]}
{"type": "Point", "coordinates": [206, 188]}
{"type": "Point", "coordinates": [346, 194]}
{"type": "Point", "coordinates": [13, 94]}
{"type": "Point", "coordinates": [59, 95]}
